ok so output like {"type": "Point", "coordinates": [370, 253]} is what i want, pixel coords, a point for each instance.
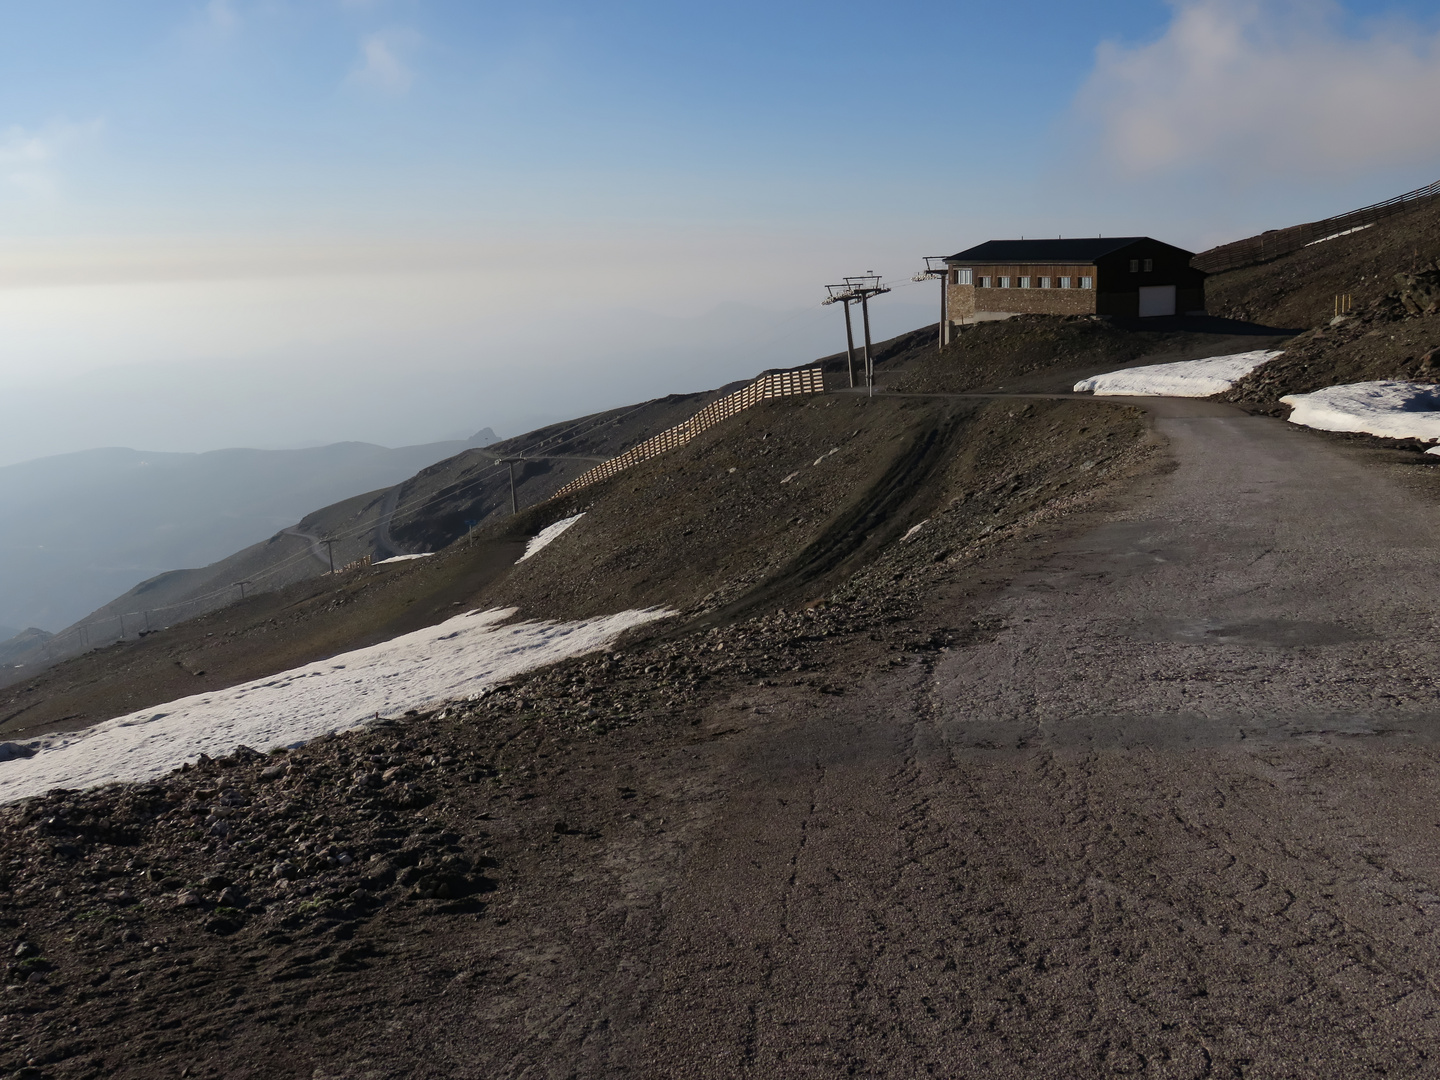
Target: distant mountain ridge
{"type": "Point", "coordinates": [79, 528]}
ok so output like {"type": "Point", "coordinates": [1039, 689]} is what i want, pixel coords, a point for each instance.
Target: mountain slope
{"type": "Point", "coordinates": [419, 514]}
{"type": "Point", "coordinates": [80, 528]}
{"type": "Point", "coordinates": [1298, 290]}
{"type": "Point", "coordinates": [776, 505]}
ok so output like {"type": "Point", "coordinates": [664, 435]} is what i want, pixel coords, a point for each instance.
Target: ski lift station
{"type": "Point", "coordinates": [1131, 276]}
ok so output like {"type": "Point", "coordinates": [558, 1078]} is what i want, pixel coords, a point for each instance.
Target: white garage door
{"type": "Point", "coordinates": [1157, 300]}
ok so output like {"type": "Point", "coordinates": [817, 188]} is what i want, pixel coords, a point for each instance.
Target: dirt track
{"type": "Point", "coordinates": [1178, 818]}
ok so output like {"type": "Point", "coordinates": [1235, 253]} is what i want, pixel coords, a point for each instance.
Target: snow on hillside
{"type": "Point", "coordinates": [456, 659]}
{"type": "Point", "coordinates": [1398, 410]}
{"type": "Point", "coordinates": [548, 534]}
{"type": "Point", "coordinates": [1184, 378]}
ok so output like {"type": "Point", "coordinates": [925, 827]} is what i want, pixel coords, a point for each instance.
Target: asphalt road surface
{"type": "Point", "coordinates": [1178, 818]}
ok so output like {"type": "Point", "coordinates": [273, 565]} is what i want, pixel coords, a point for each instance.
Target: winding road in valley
{"type": "Point", "coordinates": [1179, 818]}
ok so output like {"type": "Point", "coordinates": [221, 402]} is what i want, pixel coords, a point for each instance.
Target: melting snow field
{"type": "Point", "coordinates": [1184, 378]}
{"type": "Point", "coordinates": [455, 659]}
{"type": "Point", "coordinates": [546, 535]}
{"type": "Point", "coordinates": [404, 558]}
{"type": "Point", "coordinates": [1399, 410]}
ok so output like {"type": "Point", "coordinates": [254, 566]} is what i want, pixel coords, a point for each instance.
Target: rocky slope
{"type": "Point", "coordinates": [1394, 336]}
{"type": "Point", "coordinates": [1299, 290]}
{"type": "Point", "coordinates": [266, 911]}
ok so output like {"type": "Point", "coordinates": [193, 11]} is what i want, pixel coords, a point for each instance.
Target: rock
{"type": "Point", "coordinates": [285, 871]}
{"type": "Point", "coordinates": [188, 898]}
{"type": "Point", "coordinates": [1419, 292]}
{"type": "Point", "coordinates": [25, 949]}
{"type": "Point", "coordinates": [233, 898]}
{"type": "Point", "coordinates": [9, 751]}
{"type": "Point", "coordinates": [273, 772]}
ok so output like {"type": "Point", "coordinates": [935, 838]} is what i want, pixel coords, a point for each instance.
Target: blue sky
{"type": "Point", "coordinates": [501, 200]}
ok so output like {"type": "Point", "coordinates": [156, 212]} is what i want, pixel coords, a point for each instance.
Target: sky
{"type": "Point", "coordinates": [287, 222]}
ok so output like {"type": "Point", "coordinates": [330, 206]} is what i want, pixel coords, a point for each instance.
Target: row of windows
{"type": "Point", "coordinates": [1034, 283]}
{"type": "Point", "coordinates": [967, 277]}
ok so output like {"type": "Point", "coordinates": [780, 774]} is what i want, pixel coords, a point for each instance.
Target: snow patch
{"type": "Point", "coordinates": [404, 558]}
{"type": "Point", "coordinates": [1337, 235]}
{"type": "Point", "coordinates": [1397, 410]}
{"type": "Point", "coordinates": [1184, 378]}
{"type": "Point", "coordinates": [547, 535]}
{"type": "Point", "coordinates": [456, 659]}
{"type": "Point", "coordinates": [914, 529]}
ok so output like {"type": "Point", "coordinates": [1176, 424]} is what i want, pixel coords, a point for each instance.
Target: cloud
{"type": "Point", "coordinates": [29, 158]}
{"type": "Point", "coordinates": [1266, 87]}
{"type": "Point", "coordinates": [222, 15]}
{"type": "Point", "coordinates": [381, 65]}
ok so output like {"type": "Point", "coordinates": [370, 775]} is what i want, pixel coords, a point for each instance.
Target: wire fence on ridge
{"type": "Point", "coordinates": [1277, 242]}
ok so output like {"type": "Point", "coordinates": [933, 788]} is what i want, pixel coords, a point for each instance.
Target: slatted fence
{"type": "Point", "coordinates": [778, 384]}
{"type": "Point", "coordinates": [1277, 242]}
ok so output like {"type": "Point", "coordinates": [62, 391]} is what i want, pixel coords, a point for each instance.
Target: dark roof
{"type": "Point", "coordinates": [1075, 250]}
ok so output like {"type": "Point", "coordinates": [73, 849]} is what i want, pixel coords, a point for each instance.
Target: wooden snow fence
{"type": "Point", "coordinates": [778, 384]}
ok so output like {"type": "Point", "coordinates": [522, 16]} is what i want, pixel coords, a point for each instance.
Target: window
{"type": "Point", "coordinates": [964, 277]}
{"type": "Point", "coordinates": [1149, 265]}
{"type": "Point", "coordinates": [1002, 282]}
{"type": "Point", "coordinates": [1024, 283]}
{"type": "Point", "coordinates": [1044, 283]}
{"type": "Point", "coordinates": [982, 283]}
{"type": "Point", "coordinates": [1064, 282]}
{"type": "Point", "coordinates": [1087, 283]}
{"type": "Point", "coordinates": [1134, 266]}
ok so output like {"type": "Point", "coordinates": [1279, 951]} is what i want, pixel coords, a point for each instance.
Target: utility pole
{"type": "Point", "coordinates": [936, 267]}
{"type": "Point", "coordinates": [862, 288]}
{"type": "Point", "coordinates": [512, 462]}
{"type": "Point", "coordinates": [242, 585]}
{"type": "Point", "coordinates": [122, 626]}
{"type": "Point", "coordinates": [330, 550]}
{"type": "Point", "coordinates": [841, 294]}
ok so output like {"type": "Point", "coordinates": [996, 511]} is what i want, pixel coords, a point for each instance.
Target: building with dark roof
{"type": "Point", "coordinates": [1116, 275]}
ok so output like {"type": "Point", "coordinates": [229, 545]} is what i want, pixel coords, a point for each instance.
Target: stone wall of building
{"type": "Point", "coordinates": [966, 302]}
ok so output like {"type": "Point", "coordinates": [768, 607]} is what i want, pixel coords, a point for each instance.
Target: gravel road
{"type": "Point", "coordinates": [1177, 819]}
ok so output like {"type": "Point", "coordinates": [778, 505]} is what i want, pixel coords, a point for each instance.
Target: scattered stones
{"type": "Point", "coordinates": [1419, 293]}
